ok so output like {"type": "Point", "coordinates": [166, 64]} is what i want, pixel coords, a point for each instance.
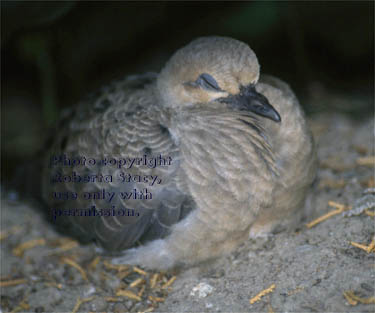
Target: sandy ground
{"type": "Point", "coordinates": [307, 270]}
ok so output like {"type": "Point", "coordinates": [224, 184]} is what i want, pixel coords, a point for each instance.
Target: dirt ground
{"type": "Point", "coordinates": [316, 269]}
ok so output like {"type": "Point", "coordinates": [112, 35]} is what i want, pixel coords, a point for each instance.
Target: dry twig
{"type": "Point", "coordinates": [353, 299]}
{"type": "Point", "coordinates": [339, 209]}
{"type": "Point", "coordinates": [20, 249]}
{"type": "Point", "coordinates": [129, 294]}
{"type": "Point", "coordinates": [368, 249]}
{"type": "Point", "coordinates": [13, 282]}
{"type": "Point", "coordinates": [262, 293]}
{"type": "Point", "coordinates": [13, 230]}
{"type": "Point", "coordinates": [80, 302]}
{"type": "Point", "coordinates": [169, 282]}
{"type": "Point", "coordinates": [74, 264]}
{"type": "Point", "coordinates": [366, 161]}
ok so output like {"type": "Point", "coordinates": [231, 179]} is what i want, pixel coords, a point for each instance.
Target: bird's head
{"type": "Point", "coordinates": [219, 71]}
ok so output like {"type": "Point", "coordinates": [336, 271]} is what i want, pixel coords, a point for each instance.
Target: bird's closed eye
{"type": "Point", "coordinates": [206, 81]}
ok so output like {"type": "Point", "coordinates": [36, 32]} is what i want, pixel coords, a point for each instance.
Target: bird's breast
{"type": "Point", "coordinates": [226, 163]}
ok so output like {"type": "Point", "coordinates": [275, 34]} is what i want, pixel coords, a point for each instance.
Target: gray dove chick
{"type": "Point", "coordinates": [233, 157]}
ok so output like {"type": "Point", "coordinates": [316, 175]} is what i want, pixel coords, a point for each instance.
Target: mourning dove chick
{"type": "Point", "coordinates": [186, 164]}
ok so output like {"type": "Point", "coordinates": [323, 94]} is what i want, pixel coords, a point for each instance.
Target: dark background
{"type": "Point", "coordinates": [53, 53]}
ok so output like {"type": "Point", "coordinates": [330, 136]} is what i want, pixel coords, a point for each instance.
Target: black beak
{"type": "Point", "coordinates": [250, 100]}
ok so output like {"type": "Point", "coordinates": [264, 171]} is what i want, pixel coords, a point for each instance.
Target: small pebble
{"type": "Point", "coordinates": [119, 308]}
{"type": "Point", "coordinates": [98, 305]}
{"type": "Point", "coordinates": [203, 290]}
{"type": "Point", "coordinates": [88, 291]}
{"type": "Point", "coordinates": [367, 287]}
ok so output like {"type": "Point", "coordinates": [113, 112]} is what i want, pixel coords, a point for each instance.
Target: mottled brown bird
{"type": "Point", "coordinates": [234, 158]}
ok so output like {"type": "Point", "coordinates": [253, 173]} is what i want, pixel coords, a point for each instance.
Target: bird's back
{"type": "Point", "coordinates": [120, 124]}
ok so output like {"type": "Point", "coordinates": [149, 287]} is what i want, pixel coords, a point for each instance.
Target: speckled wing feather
{"type": "Point", "coordinates": [118, 124]}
